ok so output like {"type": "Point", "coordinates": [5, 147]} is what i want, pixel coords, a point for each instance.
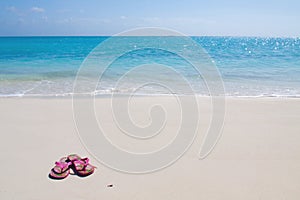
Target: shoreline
{"type": "Point", "coordinates": [140, 96]}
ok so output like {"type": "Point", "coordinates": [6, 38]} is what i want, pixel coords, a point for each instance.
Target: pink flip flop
{"type": "Point", "coordinates": [61, 169]}
{"type": "Point", "coordinates": [82, 167]}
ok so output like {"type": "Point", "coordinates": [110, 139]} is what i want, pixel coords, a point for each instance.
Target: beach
{"type": "Point", "coordinates": [257, 156]}
{"type": "Point", "coordinates": [150, 100]}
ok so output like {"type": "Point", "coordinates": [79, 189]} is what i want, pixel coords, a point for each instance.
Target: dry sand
{"type": "Point", "coordinates": [257, 157]}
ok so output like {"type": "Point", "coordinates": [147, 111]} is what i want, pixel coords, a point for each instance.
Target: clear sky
{"type": "Point", "coordinates": [191, 17]}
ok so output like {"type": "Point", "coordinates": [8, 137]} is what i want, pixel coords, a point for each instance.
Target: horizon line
{"type": "Point", "coordinates": [92, 35]}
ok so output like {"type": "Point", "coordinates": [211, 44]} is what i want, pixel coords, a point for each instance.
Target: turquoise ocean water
{"type": "Point", "coordinates": [249, 66]}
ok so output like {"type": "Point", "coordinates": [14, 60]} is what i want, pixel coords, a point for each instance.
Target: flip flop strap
{"type": "Point", "coordinates": [84, 162]}
{"type": "Point", "coordinates": [62, 165]}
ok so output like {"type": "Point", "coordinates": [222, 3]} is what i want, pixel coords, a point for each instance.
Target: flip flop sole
{"type": "Point", "coordinates": [54, 175]}
{"type": "Point", "coordinates": [89, 169]}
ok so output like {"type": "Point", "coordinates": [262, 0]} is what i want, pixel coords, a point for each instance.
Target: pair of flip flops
{"type": "Point", "coordinates": [80, 166]}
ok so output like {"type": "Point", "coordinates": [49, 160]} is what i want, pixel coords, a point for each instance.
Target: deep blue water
{"type": "Point", "coordinates": [47, 66]}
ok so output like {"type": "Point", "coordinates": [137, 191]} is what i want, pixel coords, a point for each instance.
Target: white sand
{"type": "Point", "coordinates": [257, 157]}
